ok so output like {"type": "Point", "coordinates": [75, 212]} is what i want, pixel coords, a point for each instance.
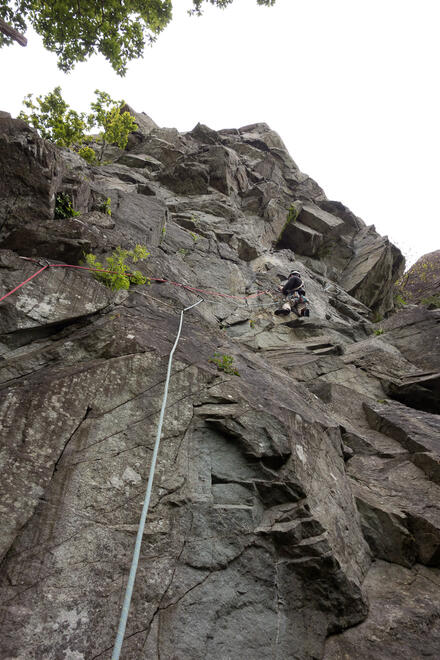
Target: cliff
{"type": "Point", "coordinates": [296, 506]}
{"type": "Point", "coordinates": [421, 283]}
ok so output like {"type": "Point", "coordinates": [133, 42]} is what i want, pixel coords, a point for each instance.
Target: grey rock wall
{"type": "Point", "coordinates": [292, 501]}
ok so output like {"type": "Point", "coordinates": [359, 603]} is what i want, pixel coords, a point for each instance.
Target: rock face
{"type": "Point", "coordinates": [403, 618]}
{"type": "Point", "coordinates": [294, 499]}
{"type": "Point", "coordinates": [31, 172]}
{"type": "Point", "coordinates": [421, 283]}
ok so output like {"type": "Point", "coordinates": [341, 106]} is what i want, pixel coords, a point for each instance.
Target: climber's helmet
{"type": "Point", "coordinates": [294, 272]}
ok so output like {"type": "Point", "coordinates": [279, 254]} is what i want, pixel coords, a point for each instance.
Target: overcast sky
{"type": "Point", "coordinates": [351, 86]}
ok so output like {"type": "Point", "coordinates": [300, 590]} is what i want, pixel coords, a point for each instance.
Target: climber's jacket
{"type": "Point", "coordinates": [293, 284]}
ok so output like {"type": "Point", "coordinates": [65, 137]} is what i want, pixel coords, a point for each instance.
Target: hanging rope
{"type": "Point", "coordinates": [137, 548]}
{"type": "Point", "coordinates": [136, 553]}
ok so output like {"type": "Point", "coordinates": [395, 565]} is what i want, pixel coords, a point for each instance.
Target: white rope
{"type": "Point", "coordinates": [134, 564]}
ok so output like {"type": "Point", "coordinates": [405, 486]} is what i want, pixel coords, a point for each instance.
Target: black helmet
{"type": "Point", "coordinates": [294, 272]}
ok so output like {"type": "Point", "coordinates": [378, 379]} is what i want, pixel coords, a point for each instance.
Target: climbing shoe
{"type": "Point", "coordinates": [282, 312]}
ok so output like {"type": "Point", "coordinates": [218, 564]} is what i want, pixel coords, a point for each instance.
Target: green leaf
{"type": "Point", "coordinates": [118, 29]}
{"type": "Point", "coordinates": [121, 275]}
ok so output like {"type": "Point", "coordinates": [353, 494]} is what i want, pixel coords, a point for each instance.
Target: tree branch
{"type": "Point", "coordinates": [9, 31]}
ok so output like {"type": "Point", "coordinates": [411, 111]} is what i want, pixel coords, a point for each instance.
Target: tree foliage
{"type": "Point", "coordinates": [117, 125]}
{"type": "Point", "coordinates": [52, 117]}
{"type": "Point", "coordinates": [63, 207]}
{"type": "Point", "coordinates": [75, 30]}
{"type": "Point", "coordinates": [198, 4]}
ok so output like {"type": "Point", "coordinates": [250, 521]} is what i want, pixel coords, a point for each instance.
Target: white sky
{"type": "Point", "coordinates": [351, 86]}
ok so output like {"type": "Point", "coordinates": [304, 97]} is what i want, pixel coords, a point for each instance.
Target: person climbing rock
{"type": "Point", "coordinates": [295, 293]}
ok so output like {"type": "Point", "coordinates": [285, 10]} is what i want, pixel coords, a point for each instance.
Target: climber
{"type": "Point", "coordinates": [294, 291]}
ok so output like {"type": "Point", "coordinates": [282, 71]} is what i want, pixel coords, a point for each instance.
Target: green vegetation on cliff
{"type": "Point", "coordinates": [421, 283]}
{"type": "Point", "coordinates": [119, 275]}
{"type": "Point", "coordinates": [52, 117]}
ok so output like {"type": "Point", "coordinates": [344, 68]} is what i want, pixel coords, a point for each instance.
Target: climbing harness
{"type": "Point", "coordinates": [137, 548]}
{"type": "Point", "coordinates": [296, 303]}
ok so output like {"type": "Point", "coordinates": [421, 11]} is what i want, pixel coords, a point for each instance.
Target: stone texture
{"type": "Point", "coordinates": [138, 160]}
{"type": "Point", "coordinates": [56, 296]}
{"type": "Point", "coordinates": [276, 487]}
{"type": "Point", "coordinates": [304, 240]}
{"type": "Point", "coordinates": [415, 332]}
{"type": "Point", "coordinates": [31, 173]}
{"type": "Point", "coordinates": [404, 617]}
{"type": "Point", "coordinates": [415, 430]}
{"type": "Point", "coordinates": [371, 273]}
{"type": "Point", "coordinates": [144, 125]}
{"type": "Point", "coordinates": [398, 493]}
{"type": "Point", "coordinates": [421, 283]}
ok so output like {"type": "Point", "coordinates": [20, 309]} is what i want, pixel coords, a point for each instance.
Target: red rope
{"type": "Point", "coordinates": [155, 279]}
{"type": "Point", "coordinates": [23, 283]}
{"type": "Point", "coordinates": [211, 293]}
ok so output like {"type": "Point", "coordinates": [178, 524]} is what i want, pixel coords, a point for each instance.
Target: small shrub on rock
{"type": "Point", "coordinates": [106, 207]}
{"type": "Point", "coordinates": [63, 207]}
{"type": "Point", "coordinates": [433, 302]}
{"type": "Point", "coordinates": [88, 154]}
{"type": "Point", "coordinates": [224, 363]}
{"type": "Point", "coordinates": [399, 301]}
{"type": "Point", "coordinates": [121, 275]}
{"type": "Point", "coordinates": [292, 215]}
